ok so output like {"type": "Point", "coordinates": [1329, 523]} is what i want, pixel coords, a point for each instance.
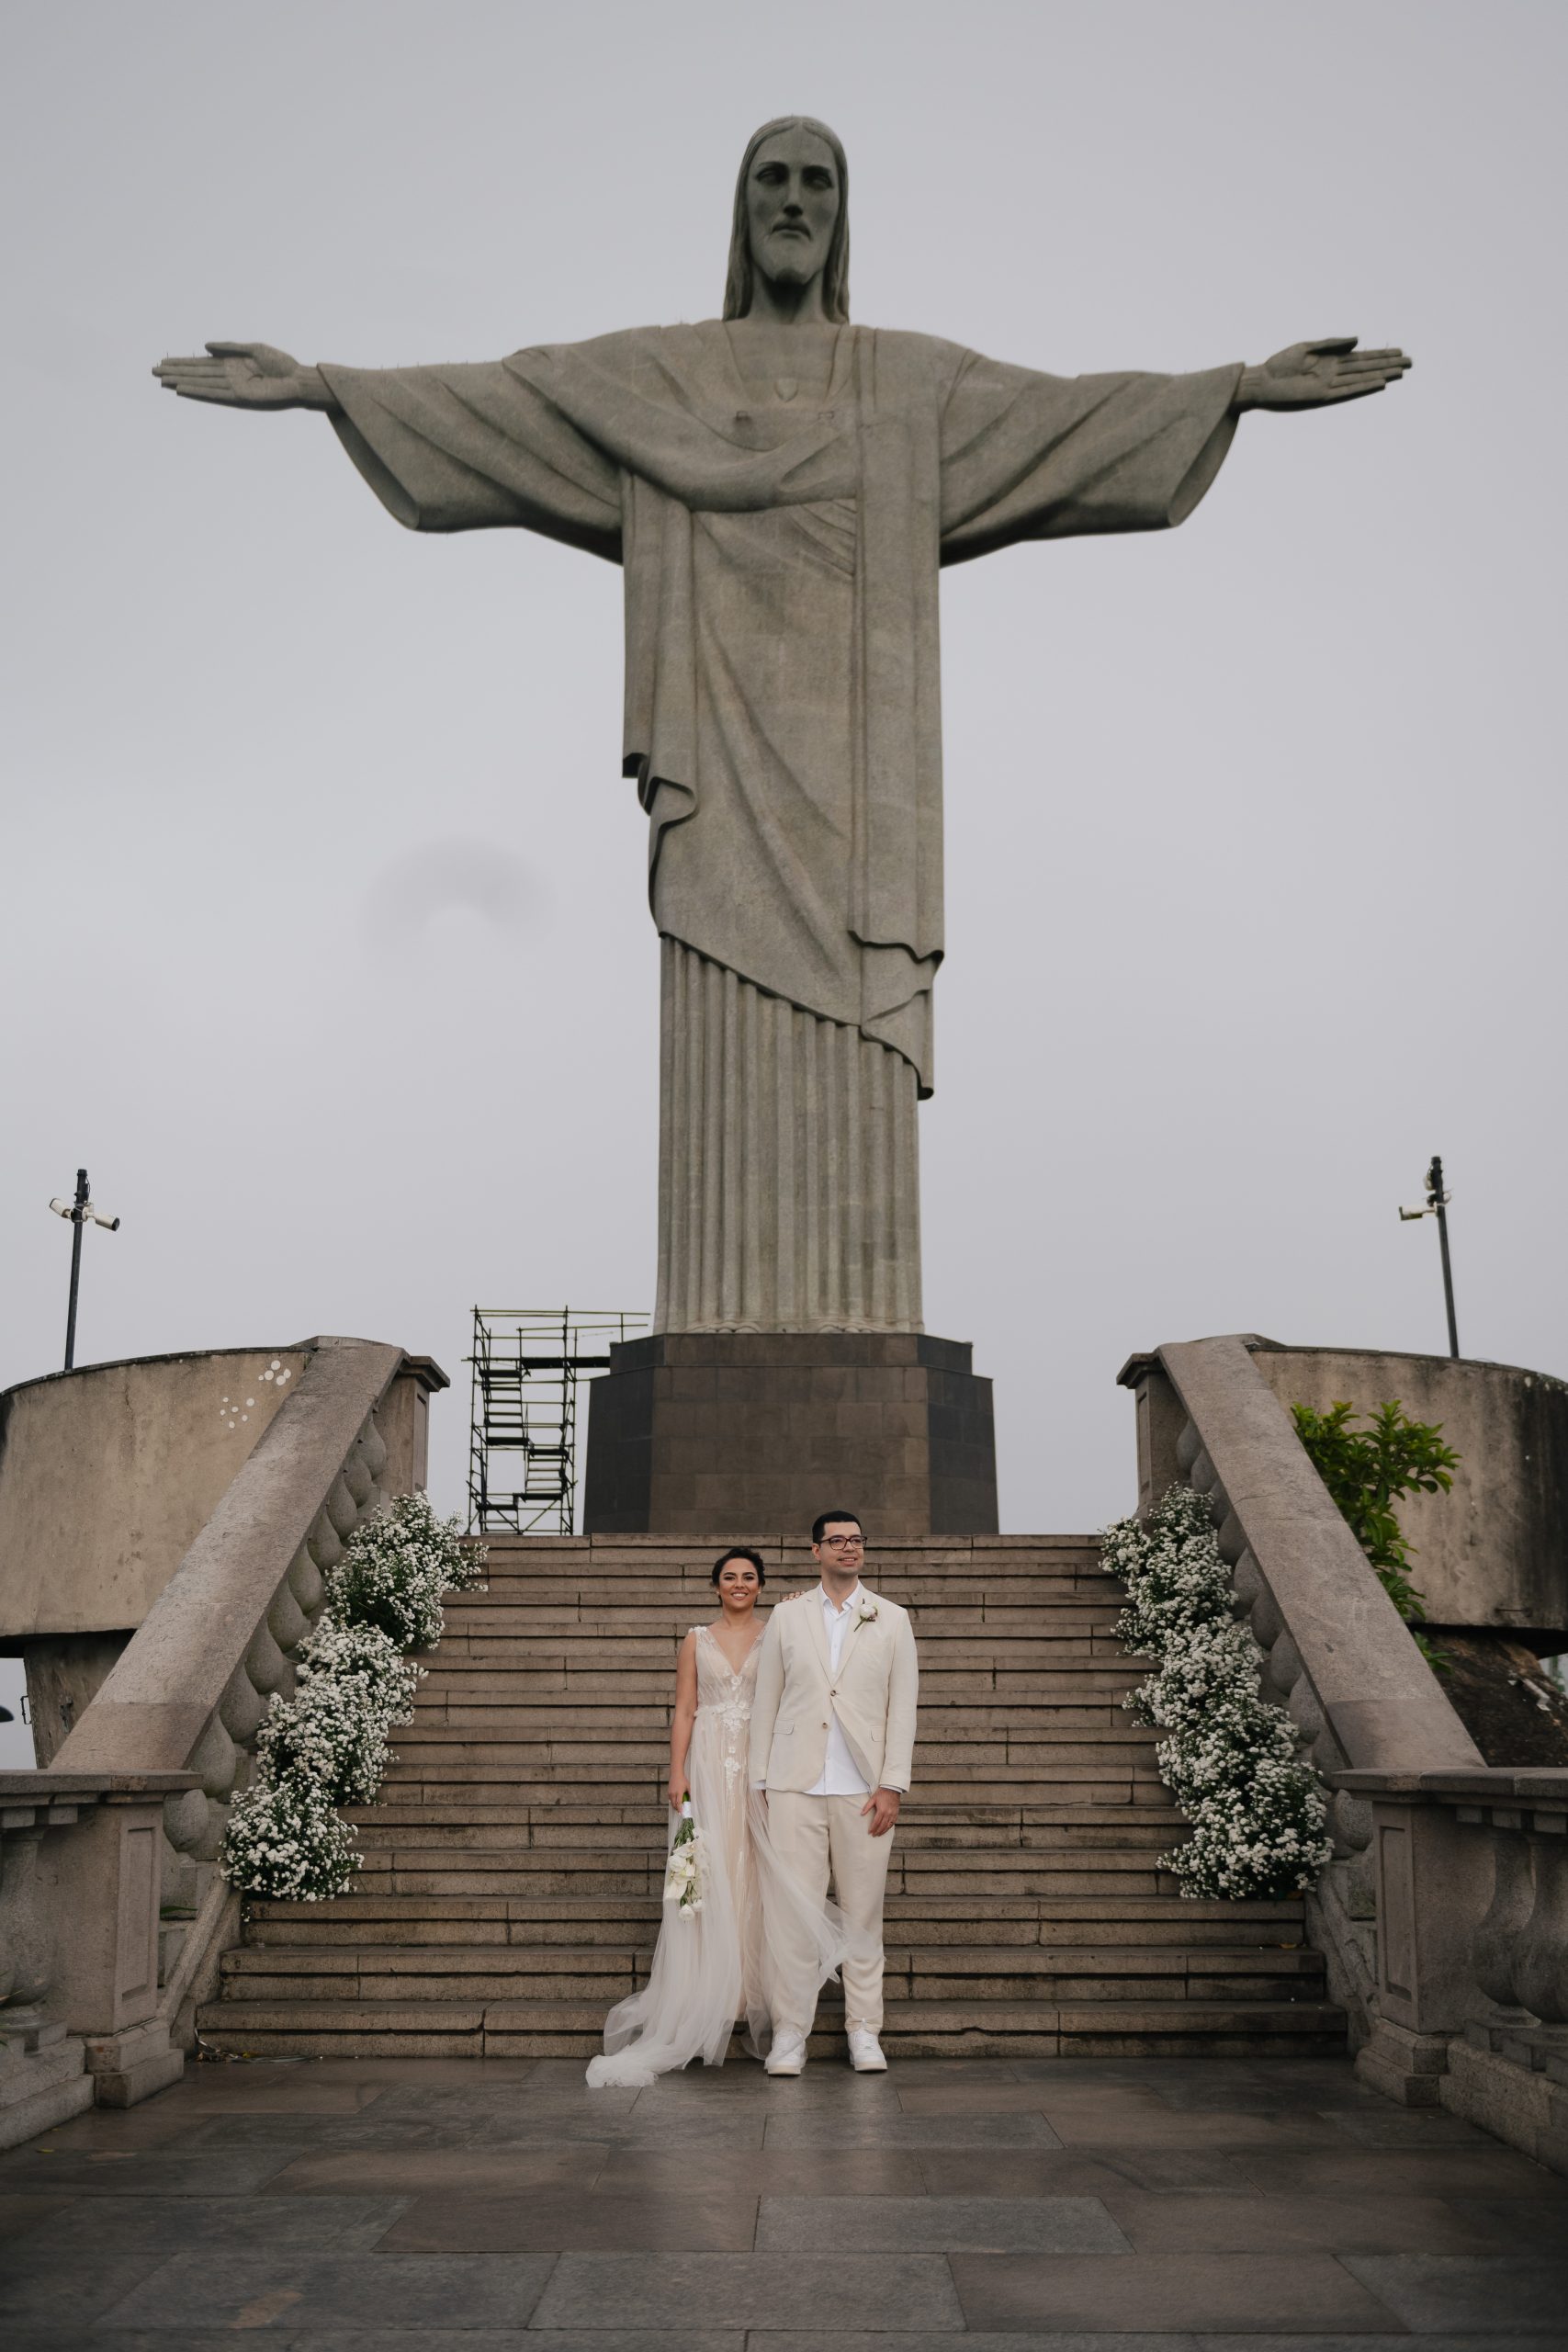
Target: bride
{"type": "Point", "coordinates": [711, 1966]}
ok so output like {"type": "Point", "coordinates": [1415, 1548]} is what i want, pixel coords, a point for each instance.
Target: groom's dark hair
{"type": "Point", "coordinates": [828, 1518]}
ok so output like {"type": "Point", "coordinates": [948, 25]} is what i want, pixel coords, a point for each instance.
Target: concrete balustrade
{"type": "Point", "coordinates": [79, 1879]}
{"type": "Point", "coordinates": [174, 1703]}
{"type": "Point", "coordinates": [1332, 1649]}
{"type": "Point", "coordinates": [1473, 1953]}
{"type": "Point", "coordinates": [1444, 1913]}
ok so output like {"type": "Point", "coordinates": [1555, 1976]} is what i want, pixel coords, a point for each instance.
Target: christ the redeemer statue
{"type": "Point", "coordinates": [782, 488]}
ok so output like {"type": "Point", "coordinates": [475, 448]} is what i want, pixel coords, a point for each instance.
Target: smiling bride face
{"type": "Point", "coordinates": [738, 1577]}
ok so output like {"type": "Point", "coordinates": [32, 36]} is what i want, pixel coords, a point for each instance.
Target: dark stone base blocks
{"type": "Point", "coordinates": [694, 1430]}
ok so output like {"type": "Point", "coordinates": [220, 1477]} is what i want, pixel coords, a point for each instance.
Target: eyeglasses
{"type": "Point", "coordinates": [843, 1543]}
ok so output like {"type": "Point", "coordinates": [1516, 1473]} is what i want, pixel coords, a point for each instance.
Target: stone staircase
{"type": "Point", "coordinates": [513, 1869]}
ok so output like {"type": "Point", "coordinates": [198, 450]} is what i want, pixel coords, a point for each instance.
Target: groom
{"type": "Point", "coordinates": [832, 1728]}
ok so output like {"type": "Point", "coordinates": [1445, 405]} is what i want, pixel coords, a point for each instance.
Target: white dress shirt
{"type": "Point", "coordinates": [842, 1776]}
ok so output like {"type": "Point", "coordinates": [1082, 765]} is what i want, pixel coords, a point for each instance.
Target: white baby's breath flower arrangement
{"type": "Point", "coordinates": [396, 1568]}
{"type": "Point", "coordinates": [353, 1684]}
{"type": "Point", "coordinates": [685, 1872]}
{"type": "Point", "coordinates": [328, 1746]}
{"type": "Point", "coordinates": [285, 1839]}
{"type": "Point", "coordinates": [1257, 1808]}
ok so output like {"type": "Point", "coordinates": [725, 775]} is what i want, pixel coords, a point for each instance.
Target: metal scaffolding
{"type": "Point", "coordinates": [526, 1364]}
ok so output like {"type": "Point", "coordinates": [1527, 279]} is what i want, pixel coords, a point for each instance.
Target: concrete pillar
{"type": "Point", "coordinates": [403, 1419]}
{"type": "Point", "coordinates": [1434, 1881]}
{"type": "Point", "coordinates": [108, 1876]}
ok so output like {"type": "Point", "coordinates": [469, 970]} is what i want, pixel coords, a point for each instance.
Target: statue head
{"type": "Point", "coordinates": [792, 215]}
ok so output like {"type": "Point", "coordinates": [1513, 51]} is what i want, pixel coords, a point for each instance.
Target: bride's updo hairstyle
{"type": "Point", "coordinates": [741, 1551]}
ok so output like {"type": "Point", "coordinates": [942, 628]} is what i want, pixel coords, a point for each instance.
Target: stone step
{"type": "Point", "coordinates": [1087, 1699]}
{"type": "Point", "coordinates": [625, 1665]}
{"type": "Point", "coordinates": [1020, 1608]}
{"type": "Point", "coordinates": [599, 1990]}
{"type": "Point", "coordinates": [594, 1596]}
{"type": "Point", "coordinates": [607, 1972]}
{"type": "Point", "coordinates": [579, 1810]}
{"type": "Point", "coordinates": [635, 1553]}
{"type": "Point", "coordinates": [913, 2029]}
{"type": "Point", "coordinates": [619, 1799]}
{"type": "Point", "coordinates": [1043, 1874]}
{"type": "Point", "coordinates": [917, 1834]}
{"type": "Point", "coordinates": [1053, 1921]}
{"type": "Point", "coordinates": [603, 1732]}
{"type": "Point", "coordinates": [518, 1670]}
{"type": "Point", "coordinates": [964, 1671]}
{"type": "Point", "coordinates": [998, 1868]}
{"type": "Point", "coordinates": [591, 1601]}
{"type": "Point", "coordinates": [693, 1561]}
{"type": "Point", "coordinates": [1035, 1774]}
{"type": "Point", "coordinates": [505, 1608]}
{"type": "Point", "coordinates": [447, 1759]}
{"type": "Point", "coordinates": [1057, 1614]}
{"type": "Point", "coordinates": [604, 1972]}
{"type": "Point", "coordinates": [1024, 1606]}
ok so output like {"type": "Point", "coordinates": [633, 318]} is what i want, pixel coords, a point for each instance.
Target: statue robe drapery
{"type": "Point", "coordinates": [783, 723]}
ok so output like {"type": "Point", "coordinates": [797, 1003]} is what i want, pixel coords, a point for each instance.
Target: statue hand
{"type": "Point", "coordinates": [1314, 375]}
{"type": "Point", "coordinates": [244, 374]}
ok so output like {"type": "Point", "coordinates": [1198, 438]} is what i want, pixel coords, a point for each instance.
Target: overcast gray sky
{"type": "Point", "coordinates": [325, 917]}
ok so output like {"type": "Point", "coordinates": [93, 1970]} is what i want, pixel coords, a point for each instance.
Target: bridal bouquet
{"type": "Point", "coordinates": [686, 1873]}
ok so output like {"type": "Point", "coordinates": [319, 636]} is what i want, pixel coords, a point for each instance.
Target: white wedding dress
{"type": "Point", "coordinates": [712, 1968]}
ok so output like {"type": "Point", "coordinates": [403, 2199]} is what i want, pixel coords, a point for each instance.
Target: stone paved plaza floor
{"type": "Point", "coordinates": [1110, 2206]}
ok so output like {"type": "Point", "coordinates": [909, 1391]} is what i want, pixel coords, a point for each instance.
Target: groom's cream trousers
{"type": "Point", "coordinates": [810, 1835]}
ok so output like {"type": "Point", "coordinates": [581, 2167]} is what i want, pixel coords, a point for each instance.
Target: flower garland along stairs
{"type": "Point", "coordinates": [513, 1869]}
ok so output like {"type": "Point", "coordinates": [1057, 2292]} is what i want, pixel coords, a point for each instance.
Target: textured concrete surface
{"type": "Point", "coordinates": [1109, 2205]}
{"type": "Point", "coordinates": [695, 1429]}
{"type": "Point", "coordinates": [108, 1474]}
{"type": "Point", "coordinates": [156, 1702]}
{"type": "Point", "coordinates": [1490, 1553]}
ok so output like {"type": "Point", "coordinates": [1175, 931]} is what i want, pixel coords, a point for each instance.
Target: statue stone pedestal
{"type": "Point", "coordinates": [729, 1432]}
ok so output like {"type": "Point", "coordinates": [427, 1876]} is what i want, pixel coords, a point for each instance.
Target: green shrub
{"type": "Point", "coordinates": [1367, 1472]}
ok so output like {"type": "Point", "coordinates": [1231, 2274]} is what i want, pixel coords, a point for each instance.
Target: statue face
{"type": "Point", "coordinates": [792, 204]}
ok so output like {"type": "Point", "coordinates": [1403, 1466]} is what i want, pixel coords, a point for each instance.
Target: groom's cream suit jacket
{"type": "Point", "coordinates": [872, 1695]}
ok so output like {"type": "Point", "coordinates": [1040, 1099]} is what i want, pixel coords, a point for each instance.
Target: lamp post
{"type": "Point", "coordinates": [1436, 1205]}
{"type": "Point", "coordinates": [78, 1213]}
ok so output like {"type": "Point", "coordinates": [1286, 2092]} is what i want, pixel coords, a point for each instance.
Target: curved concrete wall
{"type": "Point", "coordinates": [1494, 1552]}
{"type": "Point", "coordinates": [108, 1474]}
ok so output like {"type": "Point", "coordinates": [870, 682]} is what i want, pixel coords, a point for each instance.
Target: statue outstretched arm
{"type": "Point", "coordinates": [247, 375]}
{"type": "Point", "coordinates": [1318, 375]}
{"type": "Point", "coordinates": [1026, 456]}
{"type": "Point", "coordinates": [463, 447]}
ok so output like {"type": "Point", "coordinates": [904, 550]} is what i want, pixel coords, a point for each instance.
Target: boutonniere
{"type": "Point", "coordinates": [866, 1613]}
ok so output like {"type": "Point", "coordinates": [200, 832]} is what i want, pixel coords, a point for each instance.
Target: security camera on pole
{"type": "Point", "coordinates": [1437, 1205]}
{"type": "Point", "coordinates": [78, 1213]}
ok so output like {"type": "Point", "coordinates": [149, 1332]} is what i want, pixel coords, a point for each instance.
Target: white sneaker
{"type": "Point", "coordinates": [787, 2055]}
{"type": "Point", "coordinates": [865, 2051]}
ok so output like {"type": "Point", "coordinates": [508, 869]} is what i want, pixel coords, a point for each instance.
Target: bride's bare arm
{"type": "Point", "coordinates": [685, 1716]}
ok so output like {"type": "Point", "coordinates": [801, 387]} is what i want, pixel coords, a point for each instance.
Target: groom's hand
{"type": "Point", "coordinates": [882, 1808]}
